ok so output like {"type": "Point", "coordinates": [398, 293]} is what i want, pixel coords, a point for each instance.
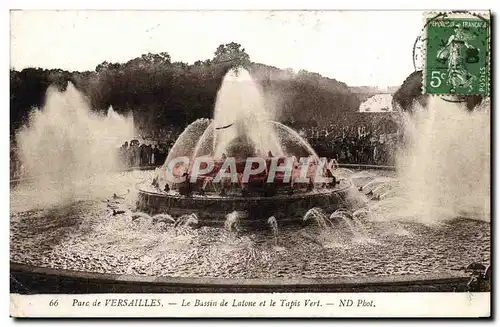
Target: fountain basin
{"type": "Point", "coordinates": [212, 209]}
{"type": "Point", "coordinates": [82, 247]}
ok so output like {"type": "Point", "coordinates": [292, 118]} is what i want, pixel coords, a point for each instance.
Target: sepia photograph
{"type": "Point", "coordinates": [219, 157]}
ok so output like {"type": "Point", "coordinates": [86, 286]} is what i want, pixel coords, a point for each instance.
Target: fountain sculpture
{"type": "Point", "coordinates": [223, 151]}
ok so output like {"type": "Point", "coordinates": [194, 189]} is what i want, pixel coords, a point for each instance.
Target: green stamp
{"type": "Point", "coordinates": [457, 58]}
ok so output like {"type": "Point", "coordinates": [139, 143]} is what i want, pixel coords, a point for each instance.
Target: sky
{"type": "Point", "coordinates": [356, 47]}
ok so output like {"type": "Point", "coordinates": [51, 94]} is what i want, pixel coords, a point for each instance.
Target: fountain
{"type": "Point", "coordinates": [242, 129]}
{"type": "Point", "coordinates": [66, 147]}
{"type": "Point", "coordinates": [166, 236]}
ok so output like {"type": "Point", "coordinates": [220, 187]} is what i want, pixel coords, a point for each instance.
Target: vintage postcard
{"type": "Point", "coordinates": [250, 163]}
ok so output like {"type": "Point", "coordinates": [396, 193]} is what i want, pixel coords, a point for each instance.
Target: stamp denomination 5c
{"type": "Point", "coordinates": [457, 54]}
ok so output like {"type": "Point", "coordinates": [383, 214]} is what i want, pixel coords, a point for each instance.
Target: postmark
{"type": "Point", "coordinates": [457, 54]}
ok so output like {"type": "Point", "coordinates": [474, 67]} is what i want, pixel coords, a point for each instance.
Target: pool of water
{"type": "Point", "coordinates": [92, 226]}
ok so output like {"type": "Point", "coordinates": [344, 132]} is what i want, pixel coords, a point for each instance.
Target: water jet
{"type": "Point", "coordinates": [241, 129]}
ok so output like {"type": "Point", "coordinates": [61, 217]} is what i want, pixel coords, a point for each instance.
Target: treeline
{"type": "Point", "coordinates": [163, 93]}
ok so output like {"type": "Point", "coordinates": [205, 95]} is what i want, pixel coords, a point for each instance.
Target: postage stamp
{"type": "Point", "coordinates": [457, 54]}
{"type": "Point", "coordinates": [255, 164]}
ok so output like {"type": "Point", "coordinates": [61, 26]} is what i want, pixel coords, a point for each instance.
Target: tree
{"type": "Point", "coordinates": [231, 53]}
{"type": "Point", "coordinates": [162, 93]}
{"type": "Point", "coordinates": [102, 66]}
{"type": "Point", "coordinates": [156, 58]}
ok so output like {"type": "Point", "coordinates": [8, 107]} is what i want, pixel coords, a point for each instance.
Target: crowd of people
{"type": "Point", "coordinates": [135, 154]}
{"type": "Point", "coordinates": [348, 144]}
{"type": "Point", "coordinates": [354, 145]}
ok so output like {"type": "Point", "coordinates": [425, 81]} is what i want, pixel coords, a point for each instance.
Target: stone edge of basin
{"type": "Point", "coordinates": [271, 283]}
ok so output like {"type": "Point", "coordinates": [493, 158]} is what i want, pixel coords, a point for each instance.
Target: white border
{"type": "Point", "coordinates": [262, 305]}
{"type": "Point", "coordinates": [243, 4]}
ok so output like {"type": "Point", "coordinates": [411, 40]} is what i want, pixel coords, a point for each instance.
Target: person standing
{"type": "Point", "coordinates": [153, 151]}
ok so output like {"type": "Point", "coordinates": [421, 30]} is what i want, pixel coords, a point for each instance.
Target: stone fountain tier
{"type": "Point", "coordinates": [256, 185]}
{"type": "Point", "coordinates": [255, 210]}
